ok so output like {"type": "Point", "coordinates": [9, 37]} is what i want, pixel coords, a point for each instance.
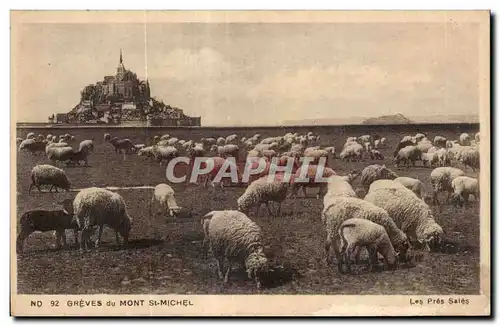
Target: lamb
{"type": "Point", "coordinates": [32, 146]}
{"type": "Point", "coordinates": [441, 179]}
{"type": "Point", "coordinates": [262, 191]}
{"type": "Point", "coordinates": [376, 155]}
{"type": "Point", "coordinates": [356, 233]}
{"type": "Point", "coordinates": [411, 214]}
{"type": "Point", "coordinates": [414, 185]}
{"type": "Point", "coordinates": [464, 139]}
{"type": "Point", "coordinates": [234, 238]}
{"type": "Point", "coordinates": [45, 174]}
{"type": "Point", "coordinates": [165, 196]}
{"type": "Point", "coordinates": [470, 158]}
{"type": "Point", "coordinates": [88, 144]}
{"type": "Point", "coordinates": [376, 172]}
{"type": "Point", "coordinates": [340, 209]}
{"type": "Point", "coordinates": [99, 207]}
{"type": "Point", "coordinates": [463, 187]}
{"type": "Point", "coordinates": [48, 220]}
{"type": "Point", "coordinates": [122, 144]}
{"type": "Point", "coordinates": [167, 153]}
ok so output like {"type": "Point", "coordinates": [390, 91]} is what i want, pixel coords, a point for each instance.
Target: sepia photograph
{"type": "Point", "coordinates": [292, 163]}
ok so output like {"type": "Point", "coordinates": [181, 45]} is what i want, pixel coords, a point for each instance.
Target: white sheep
{"type": "Point", "coordinates": [464, 139]}
{"type": "Point", "coordinates": [107, 137]}
{"type": "Point", "coordinates": [32, 146]}
{"type": "Point", "coordinates": [228, 150]}
{"type": "Point", "coordinates": [232, 139]}
{"type": "Point", "coordinates": [263, 191]}
{"type": "Point", "coordinates": [411, 214]}
{"type": "Point", "coordinates": [146, 151]}
{"type": "Point", "coordinates": [164, 195]}
{"type": "Point", "coordinates": [221, 141]}
{"type": "Point", "coordinates": [338, 186]}
{"type": "Point", "coordinates": [414, 185]}
{"type": "Point", "coordinates": [99, 207]}
{"type": "Point", "coordinates": [442, 156]}
{"type": "Point", "coordinates": [408, 155]}
{"type": "Point", "coordinates": [419, 136]}
{"type": "Point", "coordinates": [440, 180]}
{"type": "Point", "coordinates": [431, 158]}
{"type": "Point", "coordinates": [383, 142]}
{"type": "Point", "coordinates": [340, 209]}
{"type": "Point", "coordinates": [440, 141]}
{"type": "Point", "coordinates": [356, 233]}
{"type": "Point", "coordinates": [45, 174]}
{"type": "Point", "coordinates": [352, 152]}
{"type": "Point", "coordinates": [172, 141]}
{"type": "Point", "coordinates": [167, 153]}
{"type": "Point", "coordinates": [88, 144]}
{"type": "Point", "coordinates": [234, 238]}
{"type": "Point", "coordinates": [470, 158]}
{"type": "Point", "coordinates": [61, 154]}
{"type": "Point", "coordinates": [424, 145]}
{"type": "Point", "coordinates": [365, 139]}
{"type": "Point", "coordinates": [463, 187]}
{"type": "Point", "coordinates": [31, 135]}
{"type": "Point", "coordinates": [376, 172]}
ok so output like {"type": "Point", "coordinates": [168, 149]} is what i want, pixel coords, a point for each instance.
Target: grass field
{"type": "Point", "coordinates": [165, 256]}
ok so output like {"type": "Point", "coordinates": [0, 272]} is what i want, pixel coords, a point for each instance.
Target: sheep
{"type": "Point", "coordinates": [351, 139]}
{"type": "Point", "coordinates": [440, 141]}
{"type": "Point", "coordinates": [122, 144]}
{"type": "Point", "coordinates": [376, 155]}
{"type": "Point", "coordinates": [196, 151]}
{"type": "Point", "coordinates": [232, 139]}
{"type": "Point", "coordinates": [431, 158]}
{"type": "Point", "coordinates": [45, 174]}
{"type": "Point", "coordinates": [228, 150]}
{"type": "Point", "coordinates": [376, 172]}
{"type": "Point", "coordinates": [477, 137]}
{"type": "Point", "coordinates": [376, 144]}
{"type": "Point", "coordinates": [365, 139]}
{"type": "Point", "coordinates": [269, 153]}
{"type": "Point", "coordinates": [167, 153]}
{"type": "Point", "coordinates": [407, 138]}
{"type": "Point", "coordinates": [234, 238]}
{"type": "Point", "coordinates": [88, 144]}
{"type": "Point", "coordinates": [463, 187]}
{"type": "Point", "coordinates": [411, 214]}
{"type": "Point", "coordinates": [48, 220]}
{"type": "Point", "coordinates": [107, 137]}
{"type": "Point", "coordinates": [339, 209]}
{"type": "Point", "coordinates": [137, 147]}
{"type": "Point", "coordinates": [99, 207]}
{"type": "Point", "coordinates": [76, 157]}
{"type": "Point", "coordinates": [338, 186]}
{"type": "Point", "coordinates": [311, 174]}
{"type": "Point", "coordinates": [470, 158]}
{"type": "Point", "coordinates": [208, 141]}
{"type": "Point", "coordinates": [162, 143]}
{"type": "Point", "coordinates": [32, 146]}
{"type": "Point", "coordinates": [263, 191]}
{"type": "Point", "coordinates": [221, 141]}
{"type": "Point", "coordinates": [424, 145]}
{"type": "Point", "coordinates": [165, 137]}
{"type": "Point", "coordinates": [165, 196]}
{"type": "Point", "coordinates": [401, 145]}
{"type": "Point", "coordinates": [352, 152]}
{"type": "Point", "coordinates": [414, 185]}
{"type": "Point", "coordinates": [172, 141]}
{"type": "Point", "coordinates": [464, 139]}
{"type": "Point", "coordinates": [383, 142]}
{"type": "Point", "coordinates": [55, 153]}
{"type": "Point", "coordinates": [30, 135]}
{"type": "Point", "coordinates": [19, 140]}
{"type": "Point", "coordinates": [356, 233]}
{"type": "Point", "coordinates": [316, 155]}
{"type": "Point", "coordinates": [419, 137]}
{"type": "Point", "coordinates": [443, 158]}
{"type": "Point", "coordinates": [440, 180]}
{"type": "Point", "coordinates": [146, 151]}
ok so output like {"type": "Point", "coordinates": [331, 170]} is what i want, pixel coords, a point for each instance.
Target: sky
{"type": "Point", "coordinates": [256, 73]}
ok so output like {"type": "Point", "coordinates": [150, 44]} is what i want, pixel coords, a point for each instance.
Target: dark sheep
{"type": "Point", "coordinates": [122, 144]}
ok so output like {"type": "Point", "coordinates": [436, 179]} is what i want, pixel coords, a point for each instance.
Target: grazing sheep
{"type": "Point", "coordinates": [45, 174]}
{"type": "Point", "coordinates": [48, 220]}
{"type": "Point", "coordinates": [376, 144]}
{"type": "Point", "coordinates": [441, 179]}
{"type": "Point", "coordinates": [316, 155]}
{"type": "Point", "coordinates": [212, 174]}
{"type": "Point", "coordinates": [470, 158]}
{"type": "Point", "coordinates": [431, 158]}
{"type": "Point", "coordinates": [338, 186]}
{"type": "Point", "coordinates": [442, 156]}
{"type": "Point", "coordinates": [463, 187]}
{"type": "Point", "coordinates": [99, 207]}
{"type": "Point", "coordinates": [376, 172]}
{"type": "Point", "coordinates": [221, 141]}
{"type": "Point", "coordinates": [165, 137]}
{"type": "Point", "coordinates": [414, 185]}
{"type": "Point", "coordinates": [78, 156]}
{"type": "Point", "coordinates": [352, 152]}
{"type": "Point", "coordinates": [401, 145]}
{"type": "Point", "coordinates": [340, 209]}
{"type": "Point", "coordinates": [32, 146]}
{"type": "Point", "coordinates": [165, 196]}
{"type": "Point", "coordinates": [234, 238]}
{"type": "Point", "coordinates": [356, 233]}
{"type": "Point", "coordinates": [56, 153]}
{"type": "Point", "coordinates": [137, 147]}
{"type": "Point", "coordinates": [122, 144]}
{"type": "Point", "coordinates": [146, 151]}
{"type": "Point", "coordinates": [228, 150]}
{"type": "Point", "coordinates": [464, 139]}
{"type": "Point", "coordinates": [263, 191]}
{"type": "Point", "coordinates": [411, 214]}
{"type": "Point", "coordinates": [419, 137]}
{"type": "Point", "coordinates": [208, 141]}
{"type": "Point", "coordinates": [88, 144]}
{"type": "Point", "coordinates": [232, 139]}
{"type": "Point", "coordinates": [19, 140]}
{"type": "Point", "coordinates": [167, 153]}
{"type": "Point", "coordinates": [424, 145]}
{"type": "Point", "coordinates": [376, 155]}
{"type": "Point", "coordinates": [383, 142]}
{"type": "Point", "coordinates": [311, 175]}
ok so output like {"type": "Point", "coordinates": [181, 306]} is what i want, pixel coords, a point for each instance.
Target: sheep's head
{"type": "Point", "coordinates": [456, 200]}
{"type": "Point", "coordinates": [353, 175]}
{"type": "Point", "coordinates": [387, 173]}
{"type": "Point", "coordinates": [244, 204]}
{"type": "Point", "coordinates": [256, 265]}
{"type": "Point", "coordinates": [67, 205]}
{"type": "Point", "coordinates": [432, 236]}
{"type": "Point", "coordinates": [124, 227]}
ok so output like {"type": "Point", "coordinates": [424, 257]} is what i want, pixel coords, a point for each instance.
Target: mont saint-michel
{"type": "Point", "coordinates": [123, 99]}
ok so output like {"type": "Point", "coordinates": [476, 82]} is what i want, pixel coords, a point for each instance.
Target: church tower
{"type": "Point", "coordinates": [120, 69]}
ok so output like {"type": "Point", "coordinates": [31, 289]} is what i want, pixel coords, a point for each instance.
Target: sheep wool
{"type": "Point", "coordinates": [441, 178]}
{"type": "Point", "coordinates": [411, 214]}
{"type": "Point", "coordinates": [165, 196]}
{"type": "Point", "coordinates": [414, 185]}
{"type": "Point", "coordinates": [98, 207]}
{"type": "Point", "coordinates": [232, 236]}
{"type": "Point", "coordinates": [463, 187]}
{"type": "Point", "coordinates": [45, 174]}
{"type": "Point", "coordinates": [376, 172]}
{"type": "Point", "coordinates": [263, 191]}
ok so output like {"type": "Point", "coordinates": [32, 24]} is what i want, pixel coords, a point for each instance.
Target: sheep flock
{"type": "Point", "coordinates": [306, 212]}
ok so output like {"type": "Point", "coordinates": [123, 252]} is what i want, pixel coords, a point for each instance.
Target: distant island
{"type": "Point", "coordinates": [388, 120]}
{"type": "Point", "coordinates": [123, 99]}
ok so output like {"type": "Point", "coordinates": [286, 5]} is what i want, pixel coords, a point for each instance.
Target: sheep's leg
{"type": "Point", "coordinates": [99, 235]}
{"type": "Point", "coordinates": [279, 209]}
{"type": "Point", "coordinates": [75, 234]}
{"type": "Point", "coordinates": [64, 241]}
{"type": "Point", "coordinates": [220, 266]}
{"type": "Point", "coordinates": [204, 247]}
{"type": "Point", "coordinates": [226, 276]}
{"type": "Point", "coordinates": [349, 253]}
{"type": "Point", "coordinates": [117, 238]}
{"type": "Point", "coordinates": [269, 209]}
